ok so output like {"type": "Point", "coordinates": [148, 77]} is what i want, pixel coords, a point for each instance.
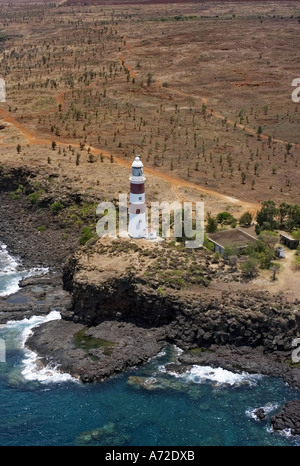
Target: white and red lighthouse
{"type": "Point", "coordinates": [137, 227]}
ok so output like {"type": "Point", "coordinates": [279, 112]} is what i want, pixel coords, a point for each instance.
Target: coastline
{"type": "Point", "coordinates": [36, 249]}
{"type": "Point", "coordinates": [131, 345]}
{"type": "Point", "coordinates": [39, 257]}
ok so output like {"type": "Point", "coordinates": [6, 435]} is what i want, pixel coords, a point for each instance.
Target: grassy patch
{"type": "Point", "coordinates": [79, 215]}
{"type": "Point", "coordinates": [196, 351]}
{"type": "Point", "coordinates": [296, 263]}
{"type": "Point", "coordinates": [87, 342]}
{"type": "Point", "coordinates": [292, 364]}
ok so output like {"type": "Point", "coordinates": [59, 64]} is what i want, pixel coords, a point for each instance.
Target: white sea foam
{"type": "Point", "coordinates": [10, 276]}
{"type": "Point", "coordinates": [283, 432]}
{"type": "Point", "coordinates": [268, 408]}
{"type": "Point", "coordinates": [220, 377]}
{"type": "Point", "coordinates": [32, 370]}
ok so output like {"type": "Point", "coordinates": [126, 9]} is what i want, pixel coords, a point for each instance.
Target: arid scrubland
{"type": "Point", "coordinates": [201, 91]}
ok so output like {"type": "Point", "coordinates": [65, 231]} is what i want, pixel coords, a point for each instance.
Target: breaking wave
{"type": "Point", "coordinates": [10, 273]}
{"type": "Point", "coordinates": [33, 371]}
{"type": "Point", "coordinates": [220, 377]}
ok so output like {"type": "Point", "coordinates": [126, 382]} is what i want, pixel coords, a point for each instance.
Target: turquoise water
{"type": "Point", "coordinates": [203, 407]}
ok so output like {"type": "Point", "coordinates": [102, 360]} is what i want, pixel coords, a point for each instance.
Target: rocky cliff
{"type": "Point", "coordinates": [153, 285]}
{"type": "Point", "coordinates": [129, 298]}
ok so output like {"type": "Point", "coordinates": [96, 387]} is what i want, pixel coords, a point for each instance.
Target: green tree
{"type": "Point", "coordinates": [250, 267]}
{"type": "Point", "coordinates": [293, 220]}
{"type": "Point", "coordinates": [246, 219]}
{"type": "Point", "coordinates": [283, 211]}
{"type": "Point", "coordinates": [275, 269]}
{"type": "Point", "coordinates": [149, 79]}
{"type": "Point", "coordinates": [212, 223]}
{"type": "Point", "coordinates": [288, 147]}
{"type": "Point", "coordinates": [259, 133]}
{"type": "Point", "coordinates": [225, 218]}
{"type": "Point", "coordinates": [270, 238]}
{"type": "Point", "coordinates": [269, 141]}
{"type": "Point", "coordinates": [266, 217]}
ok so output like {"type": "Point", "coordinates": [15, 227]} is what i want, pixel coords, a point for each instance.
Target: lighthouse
{"type": "Point", "coordinates": [137, 208]}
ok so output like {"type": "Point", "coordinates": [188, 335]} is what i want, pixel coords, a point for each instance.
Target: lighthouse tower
{"type": "Point", "coordinates": [137, 208]}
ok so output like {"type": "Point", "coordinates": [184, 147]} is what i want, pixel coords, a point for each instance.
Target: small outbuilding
{"type": "Point", "coordinates": [280, 252]}
{"type": "Point", "coordinates": [233, 238]}
{"type": "Point", "coordinates": [288, 241]}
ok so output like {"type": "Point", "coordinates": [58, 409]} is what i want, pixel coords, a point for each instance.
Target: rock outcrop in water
{"type": "Point", "coordinates": [91, 354]}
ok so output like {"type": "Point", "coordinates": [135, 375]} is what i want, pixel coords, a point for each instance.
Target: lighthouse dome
{"type": "Point", "coordinates": [137, 163]}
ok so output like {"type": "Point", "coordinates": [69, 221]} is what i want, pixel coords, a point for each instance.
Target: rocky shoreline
{"type": "Point", "coordinates": [115, 313]}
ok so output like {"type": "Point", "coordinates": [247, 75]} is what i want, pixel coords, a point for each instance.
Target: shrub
{"type": "Point", "coordinates": [296, 234]}
{"type": "Point", "coordinates": [208, 244]}
{"type": "Point", "coordinates": [246, 219]}
{"type": "Point", "coordinates": [229, 251]}
{"type": "Point", "coordinates": [212, 224]}
{"type": "Point", "coordinates": [270, 238]}
{"type": "Point", "coordinates": [296, 263]}
{"type": "Point", "coordinates": [20, 189]}
{"type": "Point", "coordinates": [250, 267]}
{"type": "Point", "coordinates": [86, 235]}
{"type": "Point", "coordinates": [225, 218]}
{"type": "Point", "coordinates": [56, 207]}
{"type": "Point", "coordinates": [14, 196]}
{"type": "Point", "coordinates": [34, 198]}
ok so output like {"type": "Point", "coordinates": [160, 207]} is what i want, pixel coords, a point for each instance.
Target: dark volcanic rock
{"type": "Point", "coordinates": [20, 219]}
{"type": "Point", "coordinates": [288, 418]}
{"type": "Point", "coordinates": [260, 414]}
{"type": "Point", "coordinates": [38, 295]}
{"type": "Point", "coordinates": [252, 360]}
{"type": "Point", "coordinates": [93, 354]}
{"type": "Point", "coordinates": [106, 287]}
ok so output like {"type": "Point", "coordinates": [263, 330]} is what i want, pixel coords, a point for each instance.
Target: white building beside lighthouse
{"type": "Point", "coordinates": [137, 227]}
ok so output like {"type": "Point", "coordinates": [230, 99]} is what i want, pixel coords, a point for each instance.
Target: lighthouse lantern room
{"type": "Point", "coordinates": [137, 208]}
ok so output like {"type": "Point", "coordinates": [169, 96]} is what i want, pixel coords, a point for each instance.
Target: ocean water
{"type": "Point", "coordinates": [11, 272]}
{"type": "Point", "coordinates": [146, 406]}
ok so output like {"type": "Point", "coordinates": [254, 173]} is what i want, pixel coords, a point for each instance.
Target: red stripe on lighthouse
{"type": "Point", "coordinates": [137, 208]}
{"type": "Point", "coordinates": [137, 188]}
